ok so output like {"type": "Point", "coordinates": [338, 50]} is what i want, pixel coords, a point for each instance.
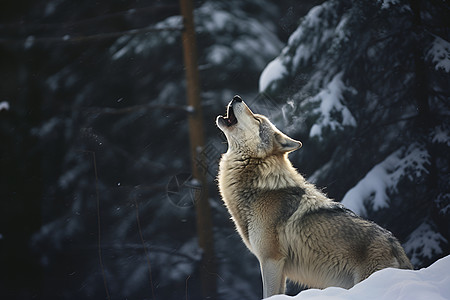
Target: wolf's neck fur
{"type": "Point", "coordinates": [243, 177]}
{"type": "Point", "coordinates": [273, 172]}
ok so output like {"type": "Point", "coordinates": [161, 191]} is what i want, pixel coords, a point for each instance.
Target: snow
{"type": "Point", "coordinates": [219, 19]}
{"type": "Point", "coordinates": [275, 70]}
{"type": "Point", "coordinates": [385, 4]}
{"type": "Point", "coordinates": [252, 36]}
{"type": "Point", "coordinates": [373, 189]}
{"type": "Point", "coordinates": [219, 54]}
{"type": "Point", "coordinates": [304, 50]}
{"type": "Point", "coordinates": [305, 42]}
{"type": "Point", "coordinates": [424, 242]}
{"type": "Point", "coordinates": [439, 54]}
{"type": "Point", "coordinates": [340, 31]}
{"type": "Point", "coordinates": [443, 202]}
{"type": "Point", "coordinates": [312, 34]}
{"type": "Point", "coordinates": [236, 38]}
{"type": "Point", "coordinates": [29, 42]}
{"type": "Point", "coordinates": [330, 100]}
{"type": "Point", "coordinates": [390, 284]}
{"type": "Point", "coordinates": [441, 135]}
{"type": "Point", "coordinates": [144, 44]}
{"type": "Point", "coordinates": [314, 15]}
{"type": "Point", "coordinates": [51, 7]}
{"type": "Point", "coordinates": [4, 105]}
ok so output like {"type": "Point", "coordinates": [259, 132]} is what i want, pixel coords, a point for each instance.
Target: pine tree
{"type": "Point", "coordinates": [122, 99]}
{"type": "Point", "coordinates": [366, 87]}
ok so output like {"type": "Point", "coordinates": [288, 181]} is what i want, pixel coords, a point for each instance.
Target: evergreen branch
{"type": "Point", "coordinates": [392, 34]}
{"type": "Point", "coordinates": [131, 109]}
{"type": "Point", "coordinates": [158, 9]}
{"type": "Point", "coordinates": [371, 128]}
{"type": "Point", "coordinates": [94, 37]}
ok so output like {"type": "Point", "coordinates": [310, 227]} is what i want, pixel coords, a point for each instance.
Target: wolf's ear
{"type": "Point", "coordinates": [285, 143]}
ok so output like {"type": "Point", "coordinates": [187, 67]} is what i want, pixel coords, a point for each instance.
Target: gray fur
{"type": "Point", "coordinates": [293, 229]}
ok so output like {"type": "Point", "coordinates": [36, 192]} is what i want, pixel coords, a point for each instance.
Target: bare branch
{"type": "Point", "coordinates": [76, 39]}
{"type": "Point", "coordinates": [131, 109]}
{"type": "Point", "coordinates": [155, 9]}
{"type": "Point", "coordinates": [145, 248]}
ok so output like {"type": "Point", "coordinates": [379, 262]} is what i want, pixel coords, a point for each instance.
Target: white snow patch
{"type": "Point", "coordinates": [314, 16]}
{"type": "Point", "coordinates": [295, 36]}
{"type": "Point", "coordinates": [121, 52]}
{"type": "Point", "coordinates": [69, 177]}
{"type": "Point", "coordinates": [275, 70]}
{"type": "Point", "coordinates": [29, 42]}
{"type": "Point", "coordinates": [146, 43]}
{"type": "Point", "coordinates": [385, 4]}
{"type": "Point", "coordinates": [330, 100]}
{"type": "Point", "coordinates": [389, 284]}
{"type": "Point", "coordinates": [302, 54]}
{"type": "Point", "coordinates": [441, 135]}
{"type": "Point", "coordinates": [297, 42]}
{"type": "Point", "coordinates": [46, 128]}
{"type": "Point", "coordinates": [323, 170]}
{"type": "Point", "coordinates": [305, 41]}
{"type": "Point", "coordinates": [425, 242]}
{"type": "Point", "coordinates": [218, 19]}
{"type": "Point", "coordinates": [171, 22]}
{"type": "Point", "coordinates": [218, 54]}
{"type": "Point", "coordinates": [340, 30]}
{"type": "Point", "coordinates": [237, 37]}
{"type": "Point", "coordinates": [51, 6]}
{"type": "Point", "coordinates": [372, 191]}
{"type": "Point", "coordinates": [252, 39]}
{"type": "Point", "coordinates": [4, 105]}
{"type": "Point", "coordinates": [443, 202]}
{"type": "Point", "coordinates": [439, 54]}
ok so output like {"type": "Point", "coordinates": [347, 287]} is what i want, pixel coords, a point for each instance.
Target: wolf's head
{"type": "Point", "coordinates": [251, 134]}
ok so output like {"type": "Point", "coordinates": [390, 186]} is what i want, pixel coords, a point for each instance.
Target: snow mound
{"type": "Point", "coordinates": [390, 284]}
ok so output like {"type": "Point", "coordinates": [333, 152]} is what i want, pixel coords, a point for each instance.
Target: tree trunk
{"type": "Point", "coordinates": [197, 142]}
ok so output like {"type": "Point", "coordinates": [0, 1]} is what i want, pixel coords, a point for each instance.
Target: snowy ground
{"type": "Point", "coordinates": [432, 283]}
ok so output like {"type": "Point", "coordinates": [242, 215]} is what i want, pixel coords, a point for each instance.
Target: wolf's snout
{"type": "Point", "coordinates": [230, 119]}
{"type": "Point", "coordinates": [236, 98]}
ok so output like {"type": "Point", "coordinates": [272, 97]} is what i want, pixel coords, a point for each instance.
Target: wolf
{"type": "Point", "coordinates": [294, 230]}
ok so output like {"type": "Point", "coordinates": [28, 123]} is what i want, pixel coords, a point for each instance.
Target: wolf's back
{"type": "Point", "coordinates": [340, 247]}
{"type": "Point", "coordinates": [293, 229]}
{"type": "Point", "coordinates": [400, 255]}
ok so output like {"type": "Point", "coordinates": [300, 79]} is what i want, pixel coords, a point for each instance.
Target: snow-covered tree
{"type": "Point", "coordinates": [366, 88]}
{"type": "Point", "coordinates": [123, 160]}
{"type": "Point", "coordinates": [94, 141]}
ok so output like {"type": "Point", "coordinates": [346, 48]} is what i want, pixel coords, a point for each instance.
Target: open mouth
{"type": "Point", "coordinates": [230, 119]}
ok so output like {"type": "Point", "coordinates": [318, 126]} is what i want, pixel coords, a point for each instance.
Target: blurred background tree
{"type": "Point", "coordinates": [364, 86]}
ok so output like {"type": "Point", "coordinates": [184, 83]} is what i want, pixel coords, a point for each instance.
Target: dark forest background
{"type": "Point", "coordinates": [96, 192]}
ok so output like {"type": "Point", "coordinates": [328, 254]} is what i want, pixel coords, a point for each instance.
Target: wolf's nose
{"type": "Point", "coordinates": [236, 98]}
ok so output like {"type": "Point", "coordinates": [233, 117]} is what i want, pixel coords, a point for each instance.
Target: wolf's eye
{"type": "Point", "coordinates": [259, 121]}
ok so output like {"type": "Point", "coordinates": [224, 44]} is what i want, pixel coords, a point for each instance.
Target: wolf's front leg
{"type": "Point", "coordinates": [274, 282]}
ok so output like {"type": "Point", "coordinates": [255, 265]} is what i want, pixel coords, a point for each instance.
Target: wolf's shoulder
{"type": "Point", "coordinates": [333, 209]}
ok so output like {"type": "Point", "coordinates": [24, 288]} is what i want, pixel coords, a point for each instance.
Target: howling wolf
{"type": "Point", "coordinates": [293, 229]}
